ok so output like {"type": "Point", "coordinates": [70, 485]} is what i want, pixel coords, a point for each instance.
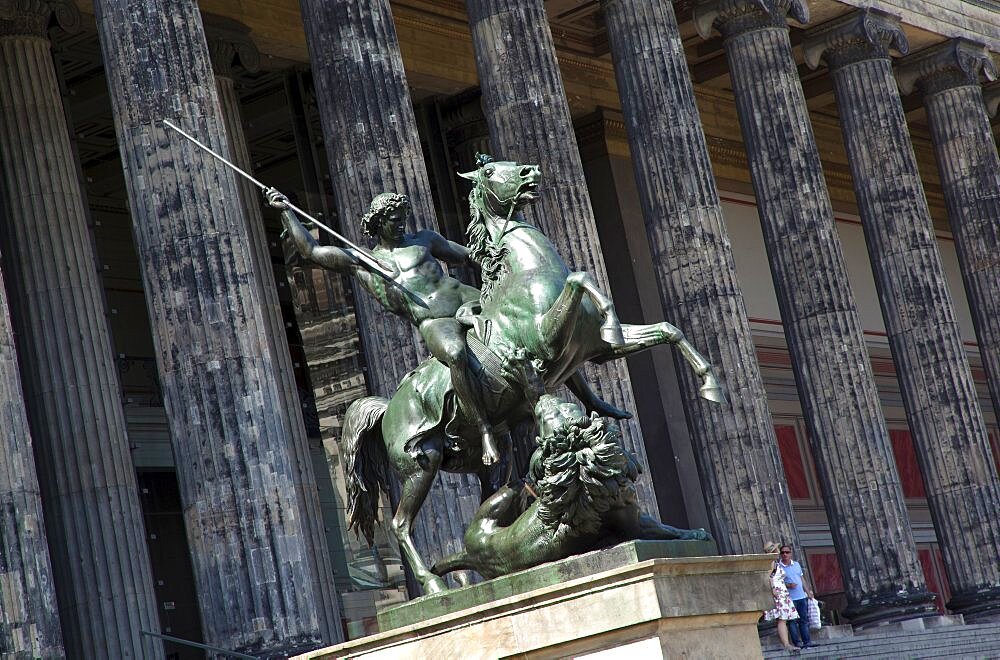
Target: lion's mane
{"type": "Point", "coordinates": [586, 472]}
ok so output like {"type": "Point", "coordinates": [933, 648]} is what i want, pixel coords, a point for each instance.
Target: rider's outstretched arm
{"type": "Point", "coordinates": [328, 256]}
{"type": "Point", "coordinates": [331, 257]}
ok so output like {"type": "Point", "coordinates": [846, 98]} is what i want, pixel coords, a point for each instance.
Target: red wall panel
{"type": "Point", "coordinates": [906, 464]}
{"type": "Point", "coordinates": [791, 459]}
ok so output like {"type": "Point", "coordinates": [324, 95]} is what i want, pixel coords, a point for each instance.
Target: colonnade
{"type": "Point", "coordinates": [259, 555]}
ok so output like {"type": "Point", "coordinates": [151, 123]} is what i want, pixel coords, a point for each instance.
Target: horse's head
{"type": "Point", "coordinates": [503, 187]}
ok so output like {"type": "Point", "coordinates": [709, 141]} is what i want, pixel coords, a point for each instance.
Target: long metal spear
{"type": "Point", "coordinates": [364, 255]}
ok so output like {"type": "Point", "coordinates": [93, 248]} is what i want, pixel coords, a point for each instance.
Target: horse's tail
{"type": "Point", "coordinates": [365, 463]}
{"type": "Point", "coordinates": [459, 561]}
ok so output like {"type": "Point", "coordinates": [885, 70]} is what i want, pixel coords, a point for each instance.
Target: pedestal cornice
{"type": "Point", "coordinates": [954, 63]}
{"type": "Point", "coordinates": [861, 35]}
{"type": "Point", "coordinates": [35, 17]}
{"type": "Point", "coordinates": [733, 17]}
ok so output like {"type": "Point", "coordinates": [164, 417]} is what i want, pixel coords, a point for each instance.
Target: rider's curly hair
{"type": "Point", "coordinates": [380, 206]}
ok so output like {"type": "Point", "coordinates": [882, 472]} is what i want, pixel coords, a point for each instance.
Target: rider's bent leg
{"type": "Point", "coordinates": [446, 340]}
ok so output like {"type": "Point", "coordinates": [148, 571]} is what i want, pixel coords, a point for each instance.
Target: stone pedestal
{"type": "Point", "coordinates": [625, 601]}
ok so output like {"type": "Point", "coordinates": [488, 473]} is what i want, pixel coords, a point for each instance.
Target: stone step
{"type": "Point", "coordinates": [980, 649]}
{"type": "Point", "coordinates": [915, 639]}
{"type": "Point", "coordinates": [965, 641]}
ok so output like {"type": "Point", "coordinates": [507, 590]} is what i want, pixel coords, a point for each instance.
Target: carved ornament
{"type": "Point", "coordinates": [229, 42]}
{"type": "Point", "coordinates": [734, 17]}
{"type": "Point", "coordinates": [954, 63]}
{"type": "Point", "coordinates": [863, 34]}
{"type": "Point", "coordinates": [35, 17]}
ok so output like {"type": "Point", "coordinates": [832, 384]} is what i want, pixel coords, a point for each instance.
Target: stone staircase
{"type": "Point", "coordinates": [973, 641]}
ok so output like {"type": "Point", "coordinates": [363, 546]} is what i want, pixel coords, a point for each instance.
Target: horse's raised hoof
{"type": "Point", "coordinates": [611, 333]}
{"type": "Point", "coordinates": [711, 389]}
{"type": "Point", "coordinates": [434, 585]}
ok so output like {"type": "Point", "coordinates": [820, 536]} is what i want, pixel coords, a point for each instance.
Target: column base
{"type": "Point", "coordinates": [978, 606]}
{"type": "Point", "coordinates": [888, 608]}
{"type": "Point", "coordinates": [926, 622]}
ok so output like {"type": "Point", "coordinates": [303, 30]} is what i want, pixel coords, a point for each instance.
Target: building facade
{"type": "Point", "coordinates": [809, 190]}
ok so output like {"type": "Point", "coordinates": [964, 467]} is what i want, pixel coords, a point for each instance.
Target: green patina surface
{"type": "Point", "coordinates": [623, 554]}
{"type": "Point", "coordinates": [537, 323]}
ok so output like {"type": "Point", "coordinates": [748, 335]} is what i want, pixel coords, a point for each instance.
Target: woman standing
{"type": "Point", "coordinates": [784, 609]}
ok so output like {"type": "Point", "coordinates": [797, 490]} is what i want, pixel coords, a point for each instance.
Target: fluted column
{"type": "Point", "coordinates": [735, 446]}
{"type": "Point", "coordinates": [229, 42]}
{"type": "Point", "coordinates": [529, 120]}
{"type": "Point", "coordinates": [92, 512]}
{"type": "Point", "coordinates": [372, 146]}
{"type": "Point", "coordinates": [251, 547]}
{"type": "Point", "coordinates": [29, 616]}
{"type": "Point", "coordinates": [833, 374]}
{"type": "Point", "coordinates": [939, 394]}
{"type": "Point", "coordinates": [947, 77]}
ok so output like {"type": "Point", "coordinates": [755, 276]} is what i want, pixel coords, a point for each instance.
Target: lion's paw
{"type": "Point", "coordinates": [696, 535]}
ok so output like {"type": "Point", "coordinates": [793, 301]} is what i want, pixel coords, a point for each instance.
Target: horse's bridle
{"type": "Point", "coordinates": [481, 184]}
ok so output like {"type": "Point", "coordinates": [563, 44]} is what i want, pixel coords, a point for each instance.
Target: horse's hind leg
{"type": "Point", "coordinates": [640, 337]}
{"type": "Point", "coordinates": [611, 328]}
{"type": "Point", "coordinates": [416, 484]}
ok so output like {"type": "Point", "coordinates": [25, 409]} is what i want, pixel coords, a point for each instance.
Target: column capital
{"type": "Point", "coordinates": [35, 17]}
{"type": "Point", "coordinates": [860, 35]}
{"type": "Point", "coordinates": [229, 42]}
{"type": "Point", "coordinates": [464, 125]}
{"type": "Point", "coordinates": [954, 63]}
{"type": "Point", "coordinates": [733, 17]}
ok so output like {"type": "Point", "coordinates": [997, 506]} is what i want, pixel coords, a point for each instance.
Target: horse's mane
{"type": "Point", "coordinates": [586, 472]}
{"type": "Point", "coordinates": [483, 251]}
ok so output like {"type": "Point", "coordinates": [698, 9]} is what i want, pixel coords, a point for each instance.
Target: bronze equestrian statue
{"type": "Point", "coordinates": [535, 324]}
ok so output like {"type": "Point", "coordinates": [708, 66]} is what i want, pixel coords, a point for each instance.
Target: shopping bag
{"type": "Point", "coordinates": [814, 620]}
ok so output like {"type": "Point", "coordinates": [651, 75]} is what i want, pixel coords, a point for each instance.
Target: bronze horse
{"type": "Point", "coordinates": [538, 324]}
